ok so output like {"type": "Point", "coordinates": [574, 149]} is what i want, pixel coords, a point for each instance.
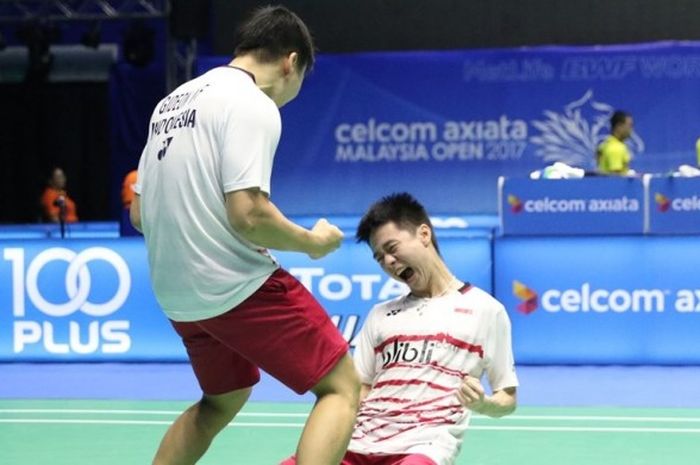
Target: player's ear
{"type": "Point", "coordinates": [290, 63]}
{"type": "Point", "coordinates": [425, 234]}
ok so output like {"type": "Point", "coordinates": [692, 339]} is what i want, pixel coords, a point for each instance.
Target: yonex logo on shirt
{"type": "Point", "coordinates": [394, 311]}
{"type": "Point", "coordinates": [166, 144]}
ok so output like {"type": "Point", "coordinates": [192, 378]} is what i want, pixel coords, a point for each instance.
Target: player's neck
{"type": "Point", "coordinates": [266, 75]}
{"type": "Point", "coordinates": [442, 282]}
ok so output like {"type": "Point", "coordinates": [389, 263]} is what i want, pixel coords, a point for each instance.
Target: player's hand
{"type": "Point", "coordinates": [471, 393]}
{"type": "Point", "coordinates": [327, 238]}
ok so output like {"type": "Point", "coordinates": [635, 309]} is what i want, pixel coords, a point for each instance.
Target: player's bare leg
{"type": "Point", "coordinates": [329, 426]}
{"type": "Point", "coordinates": [190, 436]}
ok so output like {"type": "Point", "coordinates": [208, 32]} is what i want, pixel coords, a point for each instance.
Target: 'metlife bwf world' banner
{"type": "Point", "coordinates": [444, 125]}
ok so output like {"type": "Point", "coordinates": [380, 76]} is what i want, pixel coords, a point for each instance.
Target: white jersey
{"type": "Point", "coordinates": [214, 134]}
{"type": "Point", "coordinates": [414, 353]}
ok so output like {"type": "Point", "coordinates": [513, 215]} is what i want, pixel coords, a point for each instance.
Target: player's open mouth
{"type": "Point", "coordinates": [406, 274]}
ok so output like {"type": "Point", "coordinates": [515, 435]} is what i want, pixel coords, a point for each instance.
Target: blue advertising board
{"type": "Point", "coordinates": [445, 124]}
{"type": "Point", "coordinates": [597, 205]}
{"type": "Point", "coordinates": [674, 205]}
{"type": "Point", "coordinates": [91, 300]}
{"type": "Point", "coordinates": [601, 300]}
{"type": "Point", "coordinates": [81, 300]}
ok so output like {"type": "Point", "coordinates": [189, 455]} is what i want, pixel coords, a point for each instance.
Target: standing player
{"type": "Point", "coordinates": [421, 356]}
{"type": "Point", "coordinates": [203, 205]}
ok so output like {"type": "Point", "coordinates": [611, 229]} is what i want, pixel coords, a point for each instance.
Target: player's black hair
{"type": "Point", "coordinates": [401, 209]}
{"type": "Point", "coordinates": [272, 32]}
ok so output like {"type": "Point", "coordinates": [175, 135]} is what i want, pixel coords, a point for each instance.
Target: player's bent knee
{"type": "Point", "coordinates": [225, 405]}
{"type": "Point", "coordinates": [342, 379]}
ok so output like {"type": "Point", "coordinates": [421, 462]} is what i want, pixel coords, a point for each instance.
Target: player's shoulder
{"type": "Point", "coordinates": [229, 83]}
{"type": "Point", "coordinates": [232, 94]}
{"type": "Point", "coordinates": [478, 297]}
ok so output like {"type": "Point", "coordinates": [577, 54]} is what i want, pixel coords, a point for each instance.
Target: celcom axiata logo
{"type": "Point", "coordinates": [516, 206]}
{"type": "Point", "coordinates": [662, 202]}
{"type": "Point", "coordinates": [587, 298]}
{"type": "Point", "coordinates": [573, 136]}
{"type": "Point", "coordinates": [678, 204]}
{"type": "Point", "coordinates": [527, 296]}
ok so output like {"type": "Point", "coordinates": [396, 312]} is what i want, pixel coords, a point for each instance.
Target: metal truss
{"type": "Point", "coordinates": [13, 11]}
{"type": "Point", "coordinates": [180, 54]}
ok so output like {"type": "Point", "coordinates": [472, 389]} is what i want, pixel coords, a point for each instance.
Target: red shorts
{"type": "Point", "coordinates": [281, 328]}
{"type": "Point", "coordinates": [352, 458]}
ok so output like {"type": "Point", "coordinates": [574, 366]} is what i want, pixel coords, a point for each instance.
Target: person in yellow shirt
{"type": "Point", "coordinates": [613, 157]}
{"type": "Point", "coordinates": [697, 151]}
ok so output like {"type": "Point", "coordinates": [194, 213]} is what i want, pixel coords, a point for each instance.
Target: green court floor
{"type": "Point", "coordinates": [56, 432]}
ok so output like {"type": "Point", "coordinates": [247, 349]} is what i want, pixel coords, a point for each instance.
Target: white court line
{"type": "Point", "coordinates": [139, 412]}
{"type": "Point", "coordinates": [587, 429]}
{"type": "Point", "coordinates": [304, 415]}
{"type": "Point", "coordinates": [599, 418]}
{"type": "Point", "coordinates": [301, 425]}
{"type": "Point", "coordinates": [136, 422]}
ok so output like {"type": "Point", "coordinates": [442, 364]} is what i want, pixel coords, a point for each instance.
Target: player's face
{"type": "Point", "coordinates": [404, 254]}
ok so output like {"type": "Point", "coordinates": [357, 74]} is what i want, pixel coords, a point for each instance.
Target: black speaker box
{"type": "Point", "coordinates": [189, 19]}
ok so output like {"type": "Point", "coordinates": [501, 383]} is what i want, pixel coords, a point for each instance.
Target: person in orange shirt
{"type": "Point", "coordinates": [55, 202]}
{"type": "Point", "coordinates": [127, 190]}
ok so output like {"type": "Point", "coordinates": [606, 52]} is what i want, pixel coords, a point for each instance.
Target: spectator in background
{"type": "Point", "coordinates": [56, 205]}
{"type": "Point", "coordinates": [697, 152]}
{"type": "Point", "coordinates": [613, 156]}
{"type": "Point", "coordinates": [127, 188]}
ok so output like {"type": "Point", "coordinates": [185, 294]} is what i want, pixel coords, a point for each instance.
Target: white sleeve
{"type": "Point", "coordinates": [141, 169]}
{"type": "Point", "coordinates": [364, 357]}
{"type": "Point", "coordinates": [501, 365]}
{"type": "Point", "coordinates": [249, 138]}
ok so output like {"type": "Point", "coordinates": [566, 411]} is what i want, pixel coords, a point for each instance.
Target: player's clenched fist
{"type": "Point", "coordinates": [471, 393]}
{"type": "Point", "coordinates": [327, 238]}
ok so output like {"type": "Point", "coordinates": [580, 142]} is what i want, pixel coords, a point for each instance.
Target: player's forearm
{"type": "Point", "coordinates": [277, 232]}
{"type": "Point", "coordinates": [261, 223]}
{"type": "Point", "coordinates": [499, 404]}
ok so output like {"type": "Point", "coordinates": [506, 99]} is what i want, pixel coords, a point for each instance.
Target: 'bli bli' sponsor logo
{"type": "Point", "coordinates": [407, 352]}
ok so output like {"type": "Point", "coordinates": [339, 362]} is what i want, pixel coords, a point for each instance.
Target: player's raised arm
{"type": "Point", "coordinates": [255, 217]}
